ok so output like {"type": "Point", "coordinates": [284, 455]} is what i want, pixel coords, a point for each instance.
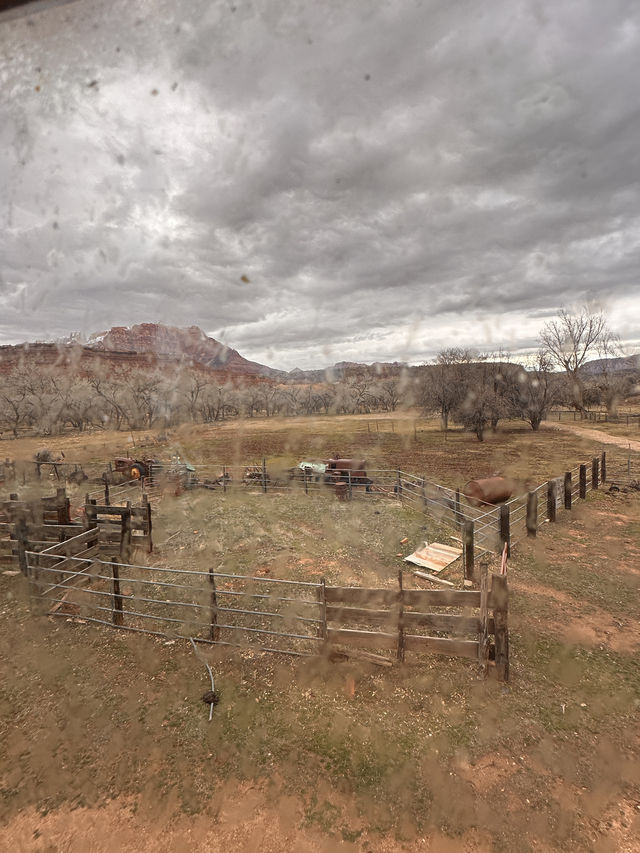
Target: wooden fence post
{"type": "Point", "coordinates": [224, 478]}
{"type": "Point", "coordinates": [468, 560]}
{"type": "Point", "coordinates": [147, 507]}
{"type": "Point", "coordinates": [400, 654]}
{"type": "Point", "coordinates": [457, 509]}
{"type": "Point", "coordinates": [583, 481]}
{"type": "Point", "coordinates": [398, 485]}
{"type": "Point", "coordinates": [505, 529]}
{"type": "Point", "coordinates": [322, 601]}
{"type": "Point", "coordinates": [349, 491]}
{"type": "Point", "coordinates": [500, 604]}
{"type": "Point", "coordinates": [483, 646]}
{"type": "Point", "coordinates": [264, 475]}
{"type": "Point", "coordinates": [594, 472]}
{"type": "Point", "coordinates": [106, 492]}
{"type": "Point", "coordinates": [23, 545]}
{"type": "Point", "coordinates": [62, 507]}
{"type": "Point", "coordinates": [603, 465]}
{"type": "Point", "coordinates": [214, 630]}
{"type": "Point", "coordinates": [567, 490]}
{"type": "Point", "coordinates": [532, 514]}
{"type": "Point", "coordinates": [551, 500]}
{"type": "Point", "coordinates": [117, 609]}
{"type": "Point", "coordinates": [125, 533]}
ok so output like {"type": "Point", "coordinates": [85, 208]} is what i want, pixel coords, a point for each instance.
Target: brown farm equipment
{"type": "Point", "coordinates": [340, 473]}
{"type": "Point", "coordinates": [126, 468]}
{"type": "Point", "coordinates": [353, 472]}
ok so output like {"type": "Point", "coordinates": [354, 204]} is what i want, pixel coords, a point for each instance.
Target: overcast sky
{"type": "Point", "coordinates": [391, 178]}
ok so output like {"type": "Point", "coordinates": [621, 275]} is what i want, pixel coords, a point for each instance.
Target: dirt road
{"type": "Point", "coordinates": [595, 435]}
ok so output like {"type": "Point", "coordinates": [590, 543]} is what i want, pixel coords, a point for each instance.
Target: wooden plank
{"type": "Point", "coordinates": [400, 653]}
{"type": "Point", "coordinates": [70, 565]}
{"type": "Point", "coordinates": [41, 530]}
{"type": "Point", "coordinates": [348, 595]}
{"type": "Point", "coordinates": [358, 595]}
{"type": "Point", "coordinates": [360, 616]}
{"type": "Point", "coordinates": [96, 509]}
{"type": "Point", "coordinates": [500, 598]}
{"type": "Point", "coordinates": [485, 627]}
{"type": "Point", "coordinates": [443, 646]}
{"type": "Point", "coordinates": [468, 560]}
{"type": "Point", "coordinates": [363, 639]}
{"type": "Point", "coordinates": [427, 577]}
{"type": "Point", "coordinates": [451, 622]}
{"type": "Point", "coordinates": [67, 547]}
{"type": "Point", "coordinates": [441, 598]}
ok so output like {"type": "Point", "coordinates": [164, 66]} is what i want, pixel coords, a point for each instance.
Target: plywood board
{"type": "Point", "coordinates": [434, 556]}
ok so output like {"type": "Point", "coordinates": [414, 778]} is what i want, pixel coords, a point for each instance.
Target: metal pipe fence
{"type": "Point", "coordinates": [198, 606]}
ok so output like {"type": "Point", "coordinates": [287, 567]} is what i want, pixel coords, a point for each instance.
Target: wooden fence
{"type": "Point", "coordinates": [627, 418]}
{"type": "Point", "coordinates": [33, 525]}
{"type": "Point", "coordinates": [62, 568]}
{"type": "Point", "coordinates": [47, 519]}
{"type": "Point", "coordinates": [268, 614]}
{"type": "Point", "coordinates": [123, 527]}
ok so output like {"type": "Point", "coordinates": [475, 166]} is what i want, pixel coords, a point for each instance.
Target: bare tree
{"type": "Point", "coordinates": [529, 394]}
{"type": "Point", "coordinates": [359, 390]}
{"type": "Point", "coordinates": [443, 389]}
{"type": "Point", "coordinates": [16, 405]}
{"type": "Point", "coordinates": [192, 389]}
{"type": "Point", "coordinates": [389, 394]}
{"type": "Point", "coordinates": [570, 340]}
{"type": "Point", "coordinates": [481, 402]}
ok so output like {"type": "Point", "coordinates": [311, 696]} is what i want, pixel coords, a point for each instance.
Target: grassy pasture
{"type": "Point", "coordinates": [103, 732]}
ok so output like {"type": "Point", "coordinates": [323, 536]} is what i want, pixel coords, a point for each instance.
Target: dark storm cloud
{"type": "Point", "coordinates": [320, 181]}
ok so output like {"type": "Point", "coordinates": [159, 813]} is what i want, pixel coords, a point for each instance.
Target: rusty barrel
{"type": "Point", "coordinates": [491, 490]}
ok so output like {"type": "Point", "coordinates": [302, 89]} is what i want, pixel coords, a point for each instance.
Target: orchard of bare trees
{"type": "Point", "coordinates": [573, 367]}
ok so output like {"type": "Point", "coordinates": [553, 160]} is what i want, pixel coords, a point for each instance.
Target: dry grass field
{"type": "Point", "coordinates": [106, 742]}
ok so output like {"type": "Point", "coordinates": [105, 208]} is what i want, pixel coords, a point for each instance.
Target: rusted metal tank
{"type": "Point", "coordinates": [351, 471]}
{"type": "Point", "coordinates": [492, 490]}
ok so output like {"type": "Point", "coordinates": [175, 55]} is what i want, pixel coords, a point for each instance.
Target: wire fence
{"type": "Point", "coordinates": [445, 505]}
{"type": "Point", "coordinates": [229, 609]}
{"type": "Point", "coordinates": [267, 614]}
{"type": "Point", "coordinates": [596, 416]}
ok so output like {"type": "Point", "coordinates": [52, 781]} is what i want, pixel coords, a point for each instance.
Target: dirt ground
{"type": "Point", "coordinates": [623, 440]}
{"type": "Point", "coordinates": [105, 740]}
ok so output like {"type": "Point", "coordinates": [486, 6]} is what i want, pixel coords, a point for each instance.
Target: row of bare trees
{"type": "Point", "coordinates": [50, 401]}
{"type": "Point", "coordinates": [473, 390]}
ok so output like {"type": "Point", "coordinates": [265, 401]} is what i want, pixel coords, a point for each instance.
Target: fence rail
{"type": "Point", "coordinates": [294, 617]}
{"type": "Point", "coordinates": [597, 416]}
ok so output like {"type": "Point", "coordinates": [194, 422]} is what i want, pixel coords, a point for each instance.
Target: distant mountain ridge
{"type": "Point", "coordinates": [190, 344]}
{"type": "Point", "coordinates": [620, 364]}
{"type": "Point", "coordinates": [193, 345]}
{"type": "Point", "coordinates": [147, 345]}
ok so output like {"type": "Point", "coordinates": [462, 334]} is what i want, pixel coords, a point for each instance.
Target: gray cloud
{"type": "Point", "coordinates": [390, 178]}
